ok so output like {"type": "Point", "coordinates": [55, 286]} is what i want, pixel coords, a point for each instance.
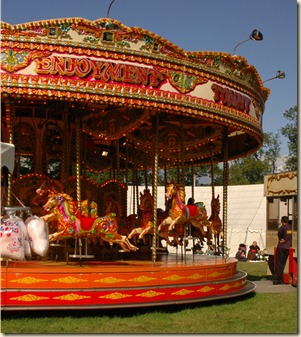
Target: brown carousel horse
{"type": "Point", "coordinates": [217, 225]}
{"type": "Point", "coordinates": [61, 208]}
{"type": "Point", "coordinates": [146, 207]}
{"type": "Point", "coordinates": [181, 214]}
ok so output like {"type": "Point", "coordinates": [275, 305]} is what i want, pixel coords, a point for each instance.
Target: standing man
{"type": "Point", "coordinates": [284, 244]}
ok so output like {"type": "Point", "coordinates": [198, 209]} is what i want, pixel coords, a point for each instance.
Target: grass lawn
{"type": "Point", "coordinates": [262, 313]}
{"type": "Point", "coordinates": [257, 271]}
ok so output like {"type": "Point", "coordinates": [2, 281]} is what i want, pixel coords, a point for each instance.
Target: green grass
{"type": "Point", "coordinates": [263, 313]}
{"type": "Point", "coordinates": [257, 271]}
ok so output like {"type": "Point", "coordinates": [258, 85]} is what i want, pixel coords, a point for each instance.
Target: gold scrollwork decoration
{"type": "Point", "coordinates": [183, 82]}
{"type": "Point", "coordinates": [71, 297]}
{"type": "Point", "coordinates": [110, 280]}
{"type": "Point", "coordinates": [217, 274]}
{"type": "Point", "coordinates": [205, 289]}
{"type": "Point", "coordinates": [29, 298]}
{"type": "Point", "coordinates": [13, 60]}
{"type": "Point", "coordinates": [69, 279]}
{"type": "Point", "coordinates": [29, 280]}
{"type": "Point", "coordinates": [173, 278]}
{"type": "Point", "coordinates": [115, 296]}
{"type": "Point", "coordinates": [196, 276]}
{"type": "Point", "coordinates": [142, 279]}
{"type": "Point", "coordinates": [183, 292]}
{"type": "Point", "coordinates": [150, 293]}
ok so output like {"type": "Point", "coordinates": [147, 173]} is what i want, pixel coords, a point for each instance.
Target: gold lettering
{"type": "Point", "coordinates": [230, 98]}
{"type": "Point", "coordinates": [83, 68]}
{"type": "Point", "coordinates": [100, 70]}
{"type": "Point", "coordinates": [43, 66]}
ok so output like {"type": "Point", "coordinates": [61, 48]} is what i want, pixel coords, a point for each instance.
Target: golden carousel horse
{"type": "Point", "coordinates": [181, 214]}
{"type": "Point", "coordinates": [60, 207]}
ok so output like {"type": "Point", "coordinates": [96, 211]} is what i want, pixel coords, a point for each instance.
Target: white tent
{"type": "Point", "coordinates": [246, 211]}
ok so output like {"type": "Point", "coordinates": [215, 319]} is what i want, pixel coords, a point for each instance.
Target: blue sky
{"type": "Point", "coordinates": [195, 25]}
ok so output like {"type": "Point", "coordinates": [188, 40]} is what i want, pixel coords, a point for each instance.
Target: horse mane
{"type": "Point", "coordinates": [69, 201]}
{"type": "Point", "coordinates": [181, 193]}
{"type": "Point", "coordinates": [178, 189]}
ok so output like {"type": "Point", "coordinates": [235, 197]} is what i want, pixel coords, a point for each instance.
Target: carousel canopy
{"type": "Point", "coordinates": [129, 86]}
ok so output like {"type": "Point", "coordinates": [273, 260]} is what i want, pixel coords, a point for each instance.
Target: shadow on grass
{"type": "Point", "coordinates": [251, 278]}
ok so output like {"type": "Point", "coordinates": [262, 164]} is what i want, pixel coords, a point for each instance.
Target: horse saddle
{"type": "Point", "coordinates": [192, 210]}
{"type": "Point", "coordinates": [86, 224]}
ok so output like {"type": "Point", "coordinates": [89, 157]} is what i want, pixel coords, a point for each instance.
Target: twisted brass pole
{"type": "Point", "coordinates": [10, 114]}
{"type": "Point", "coordinates": [126, 174]}
{"type": "Point", "coordinates": [155, 190]}
{"type": "Point", "coordinates": [118, 170]}
{"type": "Point", "coordinates": [225, 191]}
{"type": "Point", "coordinates": [65, 166]}
{"type": "Point", "coordinates": [182, 178]}
{"type": "Point", "coordinates": [192, 185]}
{"type": "Point", "coordinates": [78, 162]}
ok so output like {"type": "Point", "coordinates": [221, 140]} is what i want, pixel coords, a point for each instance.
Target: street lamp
{"type": "Point", "coordinates": [280, 74]}
{"type": "Point", "coordinates": [255, 36]}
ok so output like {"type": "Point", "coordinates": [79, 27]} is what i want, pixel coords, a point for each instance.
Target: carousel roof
{"type": "Point", "coordinates": [131, 86]}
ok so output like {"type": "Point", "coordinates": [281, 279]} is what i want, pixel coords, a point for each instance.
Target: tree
{"type": "Point", "coordinates": [291, 132]}
{"type": "Point", "coordinates": [270, 150]}
{"type": "Point", "coordinates": [248, 170]}
{"type": "Point", "coordinates": [252, 169]}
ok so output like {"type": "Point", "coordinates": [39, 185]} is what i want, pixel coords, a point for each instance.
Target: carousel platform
{"type": "Point", "coordinates": [44, 285]}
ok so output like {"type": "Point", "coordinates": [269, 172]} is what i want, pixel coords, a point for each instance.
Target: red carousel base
{"type": "Point", "coordinates": [37, 285]}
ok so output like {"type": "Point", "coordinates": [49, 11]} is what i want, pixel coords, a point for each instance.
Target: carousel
{"type": "Point", "coordinates": [89, 110]}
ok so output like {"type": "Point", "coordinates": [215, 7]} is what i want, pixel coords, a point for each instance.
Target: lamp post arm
{"type": "Point", "coordinates": [233, 53]}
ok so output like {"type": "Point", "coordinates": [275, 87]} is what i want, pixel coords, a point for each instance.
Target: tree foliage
{"type": "Point", "coordinates": [252, 169]}
{"type": "Point", "coordinates": [290, 131]}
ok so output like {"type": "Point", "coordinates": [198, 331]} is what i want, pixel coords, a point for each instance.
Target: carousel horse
{"type": "Point", "coordinates": [173, 237]}
{"type": "Point", "coordinates": [60, 207]}
{"type": "Point", "coordinates": [182, 214]}
{"type": "Point", "coordinates": [217, 225]}
{"type": "Point", "coordinates": [127, 224]}
{"type": "Point", "coordinates": [19, 239]}
{"type": "Point", "coordinates": [146, 207]}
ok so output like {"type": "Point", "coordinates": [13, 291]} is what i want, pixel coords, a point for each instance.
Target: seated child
{"type": "Point", "coordinates": [241, 253]}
